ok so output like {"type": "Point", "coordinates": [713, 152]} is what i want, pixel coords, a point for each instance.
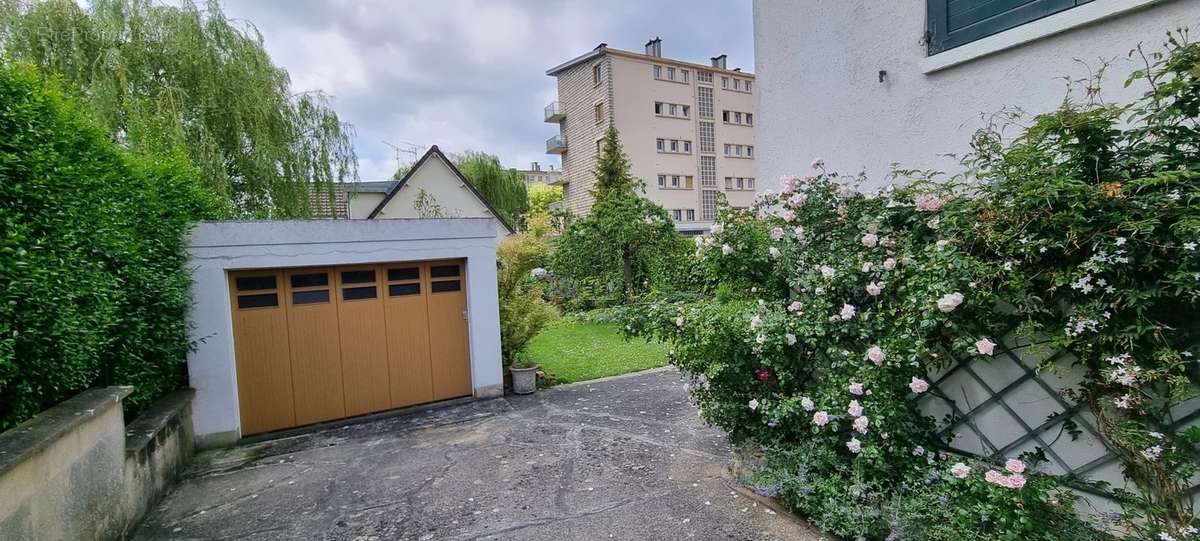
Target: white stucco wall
{"type": "Point", "coordinates": [362, 203]}
{"type": "Point", "coordinates": [435, 177]}
{"type": "Point", "coordinates": [818, 66]}
{"type": "Point", "coordinates": [217, 247]}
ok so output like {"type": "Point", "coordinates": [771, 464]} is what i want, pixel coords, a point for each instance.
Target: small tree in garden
{"type": "Point", "coordinates": [612, 169]}
{"type": "Point", "coordinates": [523, 311]}
{"type": "Point", "coordinates": [624, 234]}
{"type": "Point", "coordinates": [1082, 234]}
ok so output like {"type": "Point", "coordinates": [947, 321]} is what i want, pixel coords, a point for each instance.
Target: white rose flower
{"type": "Point", "coordinates": [949, 302]}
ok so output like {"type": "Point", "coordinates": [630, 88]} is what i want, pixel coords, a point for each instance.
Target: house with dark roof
{"type": "Point", "coordinates": [433, 188]}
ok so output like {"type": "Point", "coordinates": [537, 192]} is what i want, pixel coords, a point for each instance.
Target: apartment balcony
{"type": "Point", "coordinates": [556, 144]}
{"type": "Point", "coordinates": [553, 113]}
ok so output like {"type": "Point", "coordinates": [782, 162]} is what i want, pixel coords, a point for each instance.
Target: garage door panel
{"type": "Point", "coordinates": [407, 324]}
{"type": "Point", "coordinates": [316, 355]}
{"type": "Point", "coordinates": [448, 330]}
{"type": "Point", "coordinates": [363, 340]}
{"type": "Point", "coordinates": [262, 355]}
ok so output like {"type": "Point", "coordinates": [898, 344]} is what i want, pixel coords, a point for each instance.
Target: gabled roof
{"type": "Point", "coordinates": [434, 150]}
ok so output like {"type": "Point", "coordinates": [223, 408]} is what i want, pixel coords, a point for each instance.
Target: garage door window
{"type": "Point", "coordinates": [309, 287]}
{"type": "Point", "coordinates": [404, 281]}
{"type": "Point", "coordinates": [260, 292]}
{"type": "Point", "coordinates": [439, 283]}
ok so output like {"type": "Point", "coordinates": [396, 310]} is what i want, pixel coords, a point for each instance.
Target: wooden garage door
{"type": "Point", "coordinates": [316, 344]}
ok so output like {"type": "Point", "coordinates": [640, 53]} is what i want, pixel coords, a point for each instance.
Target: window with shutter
{"type": "Point", "coordinates": [952, 23]}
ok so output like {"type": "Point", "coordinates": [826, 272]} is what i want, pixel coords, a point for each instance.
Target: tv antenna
{"type": "Point", "coordinates": [405, 147]}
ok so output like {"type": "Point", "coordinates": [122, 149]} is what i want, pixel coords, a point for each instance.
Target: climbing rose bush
{"type": "Point", "coordinates": [835, 307]}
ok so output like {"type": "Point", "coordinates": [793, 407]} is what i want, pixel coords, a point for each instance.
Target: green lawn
{"type": "Point", "coordinates": [573, 350]}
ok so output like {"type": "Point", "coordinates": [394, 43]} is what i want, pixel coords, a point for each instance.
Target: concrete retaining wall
{"type": "Point", "coordinates": [77, 472]}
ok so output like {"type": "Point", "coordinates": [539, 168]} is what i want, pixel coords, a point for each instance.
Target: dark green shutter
{"type": "Point", "coordinates": [956, 22]}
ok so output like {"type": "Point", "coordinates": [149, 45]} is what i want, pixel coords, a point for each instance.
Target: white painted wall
{"type": "Point", "coordinates": [218, 247]}
{"type": "Point", "coordinates": [438, 181]}
{"type": "Point", "coordinates": [818, 65]}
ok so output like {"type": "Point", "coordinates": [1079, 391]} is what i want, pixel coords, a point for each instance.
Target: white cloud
{"type": "Point", "coordinates": [469, 74]}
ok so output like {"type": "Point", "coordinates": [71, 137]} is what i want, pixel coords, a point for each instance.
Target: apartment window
{"type": "Point", "coordinates": [599, 112]}
{"type": "Point", "coordinates": [687, 147]}
{"type": "Point", "coordinates": [670, 73]}
{"type": "Point", "coordinates": [737, 84]}
{"type": "Point", "coordinates": [749, 151]}
{"type": "Point", "coordinates": [683, 74]}
{"type": "Point", "coordinates": [662, 181]}
{"type": "Point", "coordinates": [749, 119]}
{"type": "Point", "coordinates": [704, 77]}
{"type": "Point", "coordinates": [707, 140]}
{"type": "Point", "coordinates": [952, 24]}
{"type": "Point", "coordinates": [708, 205]}
{"type": "Point", "coordinates": [673, 110]}
{"type": "Point", "coordinates": [708, 172]}
{"type": "Point", "coordinates": [691, 215]}
{"type": "Point", "coordinates": [687, 110]}
{"type": "Point", "coordinates": [704, 101]}
{"type": "Point", "coordinates": [657, 72]}
{"type": "Point", "coordinates": [725, 116]}
{"type": "Point", "coordinates": [660, 145]}
{"type": "Point", "coordinates": [658, 107]}
{"type": "Point", "coordinates": [728, 183]}
{"type": "Point", "coordinates": [674, 145]}
{"type": "Point", "coordinates": [749, 184]}
{"type": "Point", "coordinates": [677, 215]}
{"type": "Point", "coordinates": [724, 82]}
{"type": "Point", "coordinates": [728, 149]}
{"type": "Point", "coordinates": [747, 86]}
{"type": "Point", "coordinates": [737, 118]}
{"type": "Point", "coordinates": [674, 181]}
{"type": "Point", "coordinates": [596, 72]}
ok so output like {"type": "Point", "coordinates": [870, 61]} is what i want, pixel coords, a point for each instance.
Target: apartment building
{"type": "Point", "coordinates": [538, 175]}
{"type": "Point", "coordinates": [687, 128]}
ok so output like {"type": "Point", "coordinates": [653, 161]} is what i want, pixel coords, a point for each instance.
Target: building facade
{"type": "Point", "coordinates": [536, 174]}
{"type": "Point", "coordinates": [864, 84]}
{"type": "Point", "coordinates": [688, 129]}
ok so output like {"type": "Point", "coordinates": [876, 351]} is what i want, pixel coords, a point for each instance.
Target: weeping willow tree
{"type": "Point", "coordinates": [503, 187]}
{"type": "Point", "coordinates": [184, 76]}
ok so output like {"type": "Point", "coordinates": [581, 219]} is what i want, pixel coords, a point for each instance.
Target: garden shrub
{"type": "Point", "coordinates": [523, 310]}
{"type": "Point", "coordinates": [92, 254]}
{"type": "Point", "coordinates": [834, 306]}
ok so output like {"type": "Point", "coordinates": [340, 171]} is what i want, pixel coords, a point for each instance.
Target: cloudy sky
{"type": "Point", "coordinates": [470, 74]}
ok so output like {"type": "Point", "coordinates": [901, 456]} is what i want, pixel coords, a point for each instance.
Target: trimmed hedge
{"type": "Point", "coordinates": [92, 253]}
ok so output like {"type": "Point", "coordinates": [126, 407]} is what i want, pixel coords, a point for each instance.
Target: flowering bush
{"type": "Point", "coordinates": [835, 305]}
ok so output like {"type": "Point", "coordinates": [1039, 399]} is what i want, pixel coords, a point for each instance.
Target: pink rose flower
{"type": "Point", "coordinates": [1014, 465]}
{"type": "Point", "coordinates": [856, 388]}
{"type": "Point", "coordinates": [847, 312]}
{"type": "Point", "coordinates": [985, 346]}
{"type": "Point", "coordinates": [918, 385]}
{"type": "Point", "coordinates": [876, 355]}
{"type": "Point", "coordinates": [854, 409]}
{"type": "Point", "coordinates": [874, 289]}
{"type": "Point", "coordinates": [889, 263]}
{"type": "Point", "coordinates": [949, 302]}
{"type": "Point", "coordinates": [996, 478]}
{"type": "Point", "coordinates": [929, 203]}
{"type": "Point", "coordinates": [807, 404]}
{"type": "Point", "coordinates": [1016, 481]}
{"type": "Point", "coordinates": [854, 445]}
{"type": "Point", "coordinates": [726, 249]}
{"type": "Point", "coordinates": [795, 306]}
{"type": "Point", "coordinates": [860, 424]}
{"type": "Point", "coordinates": [870, 240]}
{"type": "Point", "coordinates": [776, 233]}
{"type": "Point", "coordinates": [960, 470]}
{"type": "Point", "coordinates": [791, 339]}
{"type": "Point", "coordinates": [820, 418]}
{"type": "Point", "coordinates": [775, 253]}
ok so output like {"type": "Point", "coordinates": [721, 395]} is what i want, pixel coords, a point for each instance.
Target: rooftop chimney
{"type": "Point", "coordinates": [718, 62]}
{"type": "Point", "coordinates": [535, 167]}
{"type": "Point", "coordinates": [654, 47]}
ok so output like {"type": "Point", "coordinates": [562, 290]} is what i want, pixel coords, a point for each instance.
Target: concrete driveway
{"type": "Point", "coordinates": [623, 458]}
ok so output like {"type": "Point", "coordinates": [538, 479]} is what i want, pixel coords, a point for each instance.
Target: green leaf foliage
{"type": "Point", "coordinates": [834, 310]}
{"type": "Point", "coordinates": [182, 75]}
{"type": "Point", "coordinates": [523, 310]}
{"type": "Point", "coordinates": [92, 254]}
{"type": "Point", "coordinates": [503, 187]}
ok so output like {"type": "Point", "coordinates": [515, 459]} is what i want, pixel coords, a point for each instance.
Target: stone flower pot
{"type": "Point", "coordinates": [524, 380]}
